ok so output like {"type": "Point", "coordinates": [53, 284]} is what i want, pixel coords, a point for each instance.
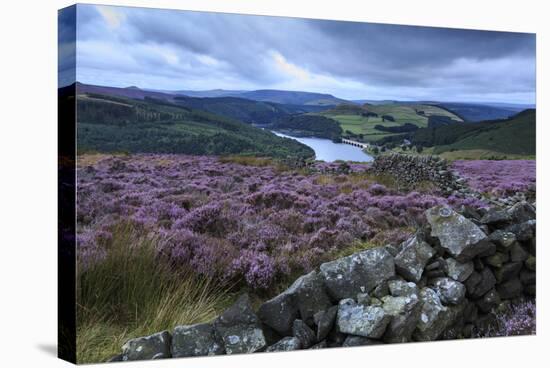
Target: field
{"type": "Point", "coordinates": [353, 119]}
{"type": "Point", "coordinates": [172, 239]}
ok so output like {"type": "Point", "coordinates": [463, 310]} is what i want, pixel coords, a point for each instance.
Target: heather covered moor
{"type": "Point", "coordinates": [332, 184]}
{"type": "Point", "coordinates": [254, 224]}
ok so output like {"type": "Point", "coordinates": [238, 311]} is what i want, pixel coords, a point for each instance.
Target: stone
{"type": "Point", "coordinates": [496, 260]}
{"type": "Point", "coordinates": [413, 257]}
{"type": "Point", "coordinates": [368, 321]}
{"type": "Point", "coordinates": [302, 332]}
{"type": "Point", "coordinates": [305, 297]}
{"type": "Point", "coordinates": [279, 313]}
{"type": "Point", "coordinates": [495, 217]}
{"type": "Point", "coordinates": [240, 329]}
{"type": "Point", "coordinates": [402, 288]}
{"type": "Point", "coordinates": [478, 264]}
{"type": "Point", "coordinates": [287, 343]}
{"type": "Point", "coordinates": [363, 298]}
{"type": "Point", "coordinates": [435, 274]}
{"type": "Point", "coordinates": [486, 282]}
{"type": "Point", "coordinates": [320, 345]}
{"type": "Point", "coordinates": [380, 291]}
{"type": "Point", "coordinates": [524, 231]}
{"type": "Point", "coordinates": [508, 271]}
{"type": "Point", "coordinates": [531, 263]}
{"type": "Point", "coordinates": [325, 322]}
{"type": "Point", "coordinates": [490, 300]}
{"type": "Point", "coordinates": [405, 312]}
{"type": "Point", "coordinates": [522, 212]}
{"type": "Point", "coordinates": [196, 340]}
{"type": "Point", "coordinates": [510, 289]}
{"type": "Point", "coordinates": [359, 273]}
{"type": "Point", "coordinates": [449, 290]}
{"type": "Point", "coordinates": [517, 253]}
{"type": "Point", "coordinates": [470, 312]}
{"type": "Point", "coordinates": [459, 271]}
{"type": "Point", "coordinates": [528, 277]}
{"type": "Point", "coordinates": [156, 346]}
{"type": "Point", "coordinates": [503, 239]}
{"type": "Point", "coordinates": [459, 236]}
{"type": "Point", "coordinates": [434, 317]}
{"type": "Point", "coordinates": [352, 340]}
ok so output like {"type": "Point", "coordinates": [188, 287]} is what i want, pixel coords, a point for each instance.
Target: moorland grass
{"type": "Point", "coordinates": [133, 292]}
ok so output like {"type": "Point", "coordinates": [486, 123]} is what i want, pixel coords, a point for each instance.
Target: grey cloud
{"type": "Point", "coordinates": [387, 60]}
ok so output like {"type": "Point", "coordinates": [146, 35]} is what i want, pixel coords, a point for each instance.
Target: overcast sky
{"type": "Point", "coordinates": [178, 50]}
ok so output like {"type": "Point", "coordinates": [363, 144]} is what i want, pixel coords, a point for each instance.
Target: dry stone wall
{"type": "Point", "coordinates": [442, 283]}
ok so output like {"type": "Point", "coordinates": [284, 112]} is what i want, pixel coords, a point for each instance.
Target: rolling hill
{"type": "Point", "coordinates": [293, 97]}
{"type": "Point", "coordinates": [506, 138]}
{"type": "Point", "coordinates": [120, 124]}
{"type": "Point", "coordinates": [479, 112]}
{"type": "Point", "coordinates": [511, 136]}
{"type": "Point", "coordinates": [243, 109]}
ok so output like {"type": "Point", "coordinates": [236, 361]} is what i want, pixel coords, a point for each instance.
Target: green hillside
{"type": "Point", "coordinates": [117, 124]}
{"type": "Point", "coordinates": [513, 136]}
{"type": "Point", "coordinates": [306, 125]}
{"type": "Point", "coordinates": [248, 111]}
{"type": "Point", "coordinates": [360, 122]}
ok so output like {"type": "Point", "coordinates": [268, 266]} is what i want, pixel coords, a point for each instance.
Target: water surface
{"type": "Point", "coordinates": [328, 151]}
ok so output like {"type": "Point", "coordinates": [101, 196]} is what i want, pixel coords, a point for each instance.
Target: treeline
{"type": "Point", "coordinates": [439, 120]}
{"type": "Point", "coordinates": [407, 127]}
{"type": "Point", "coordinates": [106, 111]}
{"type": "Point", "coordinates": [104, 126]}
{"type": "Point", "coordinates": [312, 125]}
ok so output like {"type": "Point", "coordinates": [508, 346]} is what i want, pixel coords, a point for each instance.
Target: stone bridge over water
{"type": "Point", "coordinates": [355, 143]}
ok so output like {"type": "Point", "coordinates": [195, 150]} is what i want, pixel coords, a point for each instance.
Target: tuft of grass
{"type": "Point", "coordinates": [133, 292]}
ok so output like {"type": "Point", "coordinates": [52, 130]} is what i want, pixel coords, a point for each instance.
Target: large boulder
{"type": "Point", "coordinates": [480, 283]}
{"type": "Point", "coordinates": [449, 290]}
{"type": "Point", "coordinates": [459, 271]}
{"type": "Point", "coordinates": [156, 346]}
{"type": "Point", "coordinates": [405, 312]}
{"type": "Point", "coordinates": [360, 320]}
{"type": "Point", "coordinates": [359, 273]}
{"type": "Point", "coordinates": [279, 313]}
{"type": "Point", "coordinates": [459, 236]}
{"type": "Point", "coordinates": [435, 318]}
{"type": "Point", "coordinates": [287, 343]}
{"type": "Point", "coordinates": [305, 297]}
{"type": "Point", "coordinates": [196, 340]}
{"type": "Point", "coordinates": [508, 271]}
{"type": "Point", "coordinates": [524, 231]}
{"type": "Point", "coordinates": [496, 217]}
{"type": "Point", "coordinates": [412, 258]}
{"type": "Point", "coordinates": [522, 212]}
{"type": "Point", "coordinates": [240, 329]}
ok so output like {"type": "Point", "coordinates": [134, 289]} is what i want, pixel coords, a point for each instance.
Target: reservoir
{"type": "Point", "coordinates": [328, 151]}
